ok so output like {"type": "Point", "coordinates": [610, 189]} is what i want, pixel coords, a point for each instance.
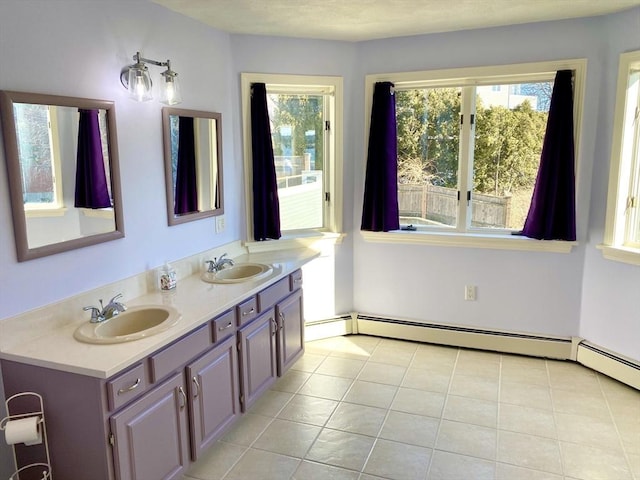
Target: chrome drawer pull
{"type": "Point", "coordinates": [184, 398]}
{"type": "Point", "coordinates": [249, 312]}
{"type": "Point", "coordinates": [224, 328]}
{"type": "Point", "coordinates": [128, 389]}
{"type": "Point", "coordinates": [197, 391]}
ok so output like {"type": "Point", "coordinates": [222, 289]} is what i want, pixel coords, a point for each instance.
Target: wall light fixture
{"type": "Point", "coordinates": [136, 79]}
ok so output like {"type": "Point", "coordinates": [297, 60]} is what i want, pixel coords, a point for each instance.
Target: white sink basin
{"type": "Point", "coordinates": [135, 323]}
{"type": "Point", "coordinates": [240, 272]}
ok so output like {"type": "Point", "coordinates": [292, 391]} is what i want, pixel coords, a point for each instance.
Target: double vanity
{"type": "Point", "coordinates": [145, 408]}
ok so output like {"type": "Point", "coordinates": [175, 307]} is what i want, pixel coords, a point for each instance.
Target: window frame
{"type": "Point", "coordinates": [624, 169]}
{"type": "Point", "coordinates": [473, 77]}
{"type": "Point", "coordinates": [333, 167]}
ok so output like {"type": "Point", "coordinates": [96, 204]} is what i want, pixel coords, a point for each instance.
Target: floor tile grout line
{"type": "Point", "coordinates": [615, 425]}
{"type": "Point", "coordinates": [554, 416]}
{"type": "Point", "coordinates": [444, 406]}
{"type": "Point", "coordinates": [388, 411]}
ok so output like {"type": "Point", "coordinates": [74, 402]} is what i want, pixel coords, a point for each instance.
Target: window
{"type": "Point", "coordinates": [469, 145]}
{"type": "Point", "coordinates": [622, 231]}
{"type": "Point", "coordinates": [305, 115]}
{"type": "Point", "coordinates": [502, 136]}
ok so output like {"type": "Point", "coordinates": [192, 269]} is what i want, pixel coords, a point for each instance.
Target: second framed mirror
{"type": "Point", "coordinates": [193, 164]}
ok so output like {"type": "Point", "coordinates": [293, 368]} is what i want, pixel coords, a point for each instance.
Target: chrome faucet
{"type": "Point", "coordinates": [218, 264]}
{"type": "Point", "coordinates": [103, 313]}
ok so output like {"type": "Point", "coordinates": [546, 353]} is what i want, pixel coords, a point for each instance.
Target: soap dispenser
{"type": "Point", "coordinates": [168, 277]}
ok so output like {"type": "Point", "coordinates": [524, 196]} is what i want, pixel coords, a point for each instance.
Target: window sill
{"type": "Point", "coordinates": [45, 212]}
{"type": "Point", "coordinates": [98, 212]}
{"type": "Point", "coordinates": [621, 254]}
{"type": "Point", "coordinates": [497, 242]}
{"type": "Point", "coordinates": [314, 240]}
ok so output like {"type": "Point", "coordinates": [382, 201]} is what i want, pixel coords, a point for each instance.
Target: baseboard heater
{"type": "Point", "coordinates": [576, 349]}
{"type": "Point", "coordinates": [610, 363]}
{"type": "Point", "coordinates": [331, 327]}
{"type": "Point", "coordinates": [468, 337]}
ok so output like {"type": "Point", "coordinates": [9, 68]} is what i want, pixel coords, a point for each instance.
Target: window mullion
{"type": "Point", "coordinates": [465, 157]}
{"type": "Point", "coordinates": [328, 153]}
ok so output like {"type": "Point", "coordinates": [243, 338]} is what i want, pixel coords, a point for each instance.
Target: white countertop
{"type": "Point", "coordinates": [197, 301]}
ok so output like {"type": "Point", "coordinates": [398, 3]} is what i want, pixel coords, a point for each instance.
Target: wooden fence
{"type": "Point", "coordinates": [440, 205]}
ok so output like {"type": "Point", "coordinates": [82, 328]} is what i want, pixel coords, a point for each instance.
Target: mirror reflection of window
{"type": "Point", "coordinates": [38, 150]}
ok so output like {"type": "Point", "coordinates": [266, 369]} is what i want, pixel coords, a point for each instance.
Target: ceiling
{"type": "Point", "coordinates": [358, 20]}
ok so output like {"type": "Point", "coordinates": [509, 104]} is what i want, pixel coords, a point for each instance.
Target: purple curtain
{"type": "Point", "coordinates": [380, 206]}
{"type": "Point", "coordinates": [91, 180]}
{"type": "Point", "coordinates": [266, 206]}
{"type": "Point", "coordinates": [186, 191]}
{"type": "Point", "coordinates": [552, 214]}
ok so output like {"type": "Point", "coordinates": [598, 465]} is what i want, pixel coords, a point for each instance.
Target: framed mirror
{"type": "Point", "coordinates": [193, 164]}
{"type": "Point", "coordinates": [63, 171]}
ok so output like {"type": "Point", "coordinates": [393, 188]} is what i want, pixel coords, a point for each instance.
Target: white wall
{"type": "Point", "coordinates": [610, 312]}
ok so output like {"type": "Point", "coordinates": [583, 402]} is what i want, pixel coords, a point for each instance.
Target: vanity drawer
{"type": "Point", "coordinates": [247, 311]}
{"type": "Point", "coordinates": [126, 387]}
{"type": "Point", "coordinates": [224, 326]}
{"type": "Point", "coordinates": [270, 295]}
{"type": "Point", "coordinates": [175, 356]}
{"type": "Point", "coordinates": [295, 280]}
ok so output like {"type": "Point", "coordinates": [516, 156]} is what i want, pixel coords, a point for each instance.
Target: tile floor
{"type": "Point", "coordinates": [366, 408]}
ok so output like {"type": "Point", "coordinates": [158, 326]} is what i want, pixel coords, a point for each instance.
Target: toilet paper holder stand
{"type": "Point", "coordinates": [45, 465]}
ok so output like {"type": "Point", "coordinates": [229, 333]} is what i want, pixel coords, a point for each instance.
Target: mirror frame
{"type": "Point", "coordinates": [24, 252]}
{"type": "Point", "coordinates": [172, 218]}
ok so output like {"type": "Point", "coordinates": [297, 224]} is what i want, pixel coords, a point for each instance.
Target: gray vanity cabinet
{"type": "Point", "coordinates": [290, 321]}
{"type": "Point", "coordinates": [214, 395]}
{"type": "Point", "coordinates": [257, 354]}
{"type": "Point", "coordinates": [270, 344]}
{"type": "Point", "coordinates": [151, 435]}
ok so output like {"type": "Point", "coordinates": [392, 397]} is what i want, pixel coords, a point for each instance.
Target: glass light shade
{"type": "Point", "coordinates": [139, 83]}
{"type": "Point", "coordinates": [170, 90]}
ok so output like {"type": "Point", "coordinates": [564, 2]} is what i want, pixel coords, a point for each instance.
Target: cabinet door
{"type": "Point", "coordinates": [151, 435]}
{"type": "Point", "coordinates": [214, 394]}
{"type": "Point", "coordinates": [257, 353]}
{"type": "Point", "coordinates": [290, 319]}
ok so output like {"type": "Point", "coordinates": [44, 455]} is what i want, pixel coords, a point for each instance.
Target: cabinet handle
{"type": "Point", "coordinates": [281, 321]}
{"type": "Point", "coordinates": [128, 389]}
{"type": "Point", "coordinates": [244, 314]}
{"type": "Point", "coordinates": [197, 391]}
{"type": "Point", "coordinates": [275, 326]}
{"type": "Point", "coordinates": [224, 328]}
{"type": "Point", "coordinates": [184, 398]}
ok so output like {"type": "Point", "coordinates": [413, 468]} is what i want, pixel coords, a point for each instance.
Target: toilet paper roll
{"type": "Point", "coordinates": [25, 430]}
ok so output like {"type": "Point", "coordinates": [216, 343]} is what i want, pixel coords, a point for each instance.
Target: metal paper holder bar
{"type": "Point", "coordinates": [46, 466]}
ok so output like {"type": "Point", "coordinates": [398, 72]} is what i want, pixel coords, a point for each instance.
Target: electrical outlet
{"type": "Point", "coordinates": [219, 223]}
{"type": "Point", "coordinates": [470, 292]}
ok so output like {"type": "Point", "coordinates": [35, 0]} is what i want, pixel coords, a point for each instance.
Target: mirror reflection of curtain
{"type": "Point", "coordinates": [186, 190]}
{"type": "Point", "coordinates": [91, 181]}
